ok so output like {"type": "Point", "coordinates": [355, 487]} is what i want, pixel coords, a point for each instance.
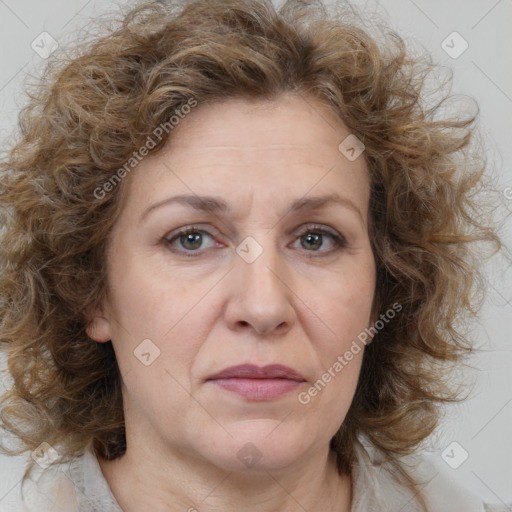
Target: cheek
{"type": "Point", "coordinates": [343, 304]}
{"type": "Point", "coordinates": [148, 302]}
{"type": "Point", "coordinates": [340, 350]}
{"type": "Point", "coordinates": [342, 308]}
{"type": "Point", "coordinates": [146, 307]}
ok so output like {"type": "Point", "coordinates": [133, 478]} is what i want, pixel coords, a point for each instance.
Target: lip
{"type": "Point", "coordinates": [258, 383]}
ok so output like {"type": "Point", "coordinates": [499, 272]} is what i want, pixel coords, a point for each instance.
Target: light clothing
{"type": "Point", "coordinates": [80, 486]}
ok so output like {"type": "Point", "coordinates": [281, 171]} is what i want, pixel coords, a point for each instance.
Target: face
{"type": "Point", "coordinates": [262, 272]}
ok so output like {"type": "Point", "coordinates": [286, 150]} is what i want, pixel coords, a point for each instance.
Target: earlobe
{"type": "Point", "coordinates": [99, 329]}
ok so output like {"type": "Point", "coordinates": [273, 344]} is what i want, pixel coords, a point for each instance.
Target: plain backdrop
{"type": "Point", "coordinates": [472, 38]}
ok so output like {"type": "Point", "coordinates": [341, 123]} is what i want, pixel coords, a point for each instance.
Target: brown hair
{"type": "Point", "coordinates": [93, 108]}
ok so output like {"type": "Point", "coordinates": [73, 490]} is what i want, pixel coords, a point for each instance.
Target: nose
{"type": "Point", "coordinates": [261, 299]}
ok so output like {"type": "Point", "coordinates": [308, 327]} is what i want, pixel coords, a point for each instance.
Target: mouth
{"type": "Point", "coordinates": [258, 383]}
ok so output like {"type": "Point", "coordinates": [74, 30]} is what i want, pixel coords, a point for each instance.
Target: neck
{"type": "Point", "coordinates": [185, 483]}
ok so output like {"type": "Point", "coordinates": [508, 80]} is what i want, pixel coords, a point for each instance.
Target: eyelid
{"type": "Point", "coordinates": [192, 228]}
{"type": "Point", "coordinates": [318, 227]}
{"type": "Point", "coordinates": [339, 240]}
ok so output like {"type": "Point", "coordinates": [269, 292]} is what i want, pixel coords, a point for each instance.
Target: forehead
{"type": "Point", "coordinates": [287, 122]}
{"type": "Point", "coordinates": [285, 147]}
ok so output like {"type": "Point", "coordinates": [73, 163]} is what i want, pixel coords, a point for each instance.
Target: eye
{"type": "Point", "coordinates": [313, 238]}
{"type": "Point", "coordinates": [189, 240]}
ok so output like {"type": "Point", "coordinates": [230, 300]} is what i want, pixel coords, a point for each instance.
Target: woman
{"type": "Point", "coordinates": [236, 248]}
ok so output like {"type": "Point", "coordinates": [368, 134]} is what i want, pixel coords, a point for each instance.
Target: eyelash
{"type": "Point", "coordinates": [339, 240]}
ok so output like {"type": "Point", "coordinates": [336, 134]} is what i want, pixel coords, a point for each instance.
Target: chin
{"type": "Point", "coordinates": [261, 447]}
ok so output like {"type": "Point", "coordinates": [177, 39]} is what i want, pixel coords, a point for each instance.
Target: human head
{"type": "Point", "coordinates": [264, 283]}
{"type": "Point", "coordinates": [103, 106]}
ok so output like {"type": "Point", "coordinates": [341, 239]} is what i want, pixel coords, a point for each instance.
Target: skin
{"type": "Point", "coordinates": [299, 303]}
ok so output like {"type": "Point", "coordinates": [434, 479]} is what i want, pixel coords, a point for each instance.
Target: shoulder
{"type": "Point", "coordinates": [440, 491]}
{"type": "Point", "coordinates": [48, 489]}
{"type": "Point", "coordinates": [448, 494]}
{"type": "Point", "coordinates": [76, 486]}
{"type": "Point", "coordinates": [497, 508]}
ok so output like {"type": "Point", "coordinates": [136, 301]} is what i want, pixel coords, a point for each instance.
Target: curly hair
{"type": "Point", "coordinates": [95, 106]}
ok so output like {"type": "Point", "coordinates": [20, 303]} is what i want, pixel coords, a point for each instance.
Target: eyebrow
{"type": "Point", "coordinates": [216, 205]}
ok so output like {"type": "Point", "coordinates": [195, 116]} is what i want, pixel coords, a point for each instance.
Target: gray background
{"type": "Point", "coordinates": [482, 426]}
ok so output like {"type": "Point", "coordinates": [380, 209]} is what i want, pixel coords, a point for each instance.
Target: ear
{"type": "Point", "coordinates": [98, 327]}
